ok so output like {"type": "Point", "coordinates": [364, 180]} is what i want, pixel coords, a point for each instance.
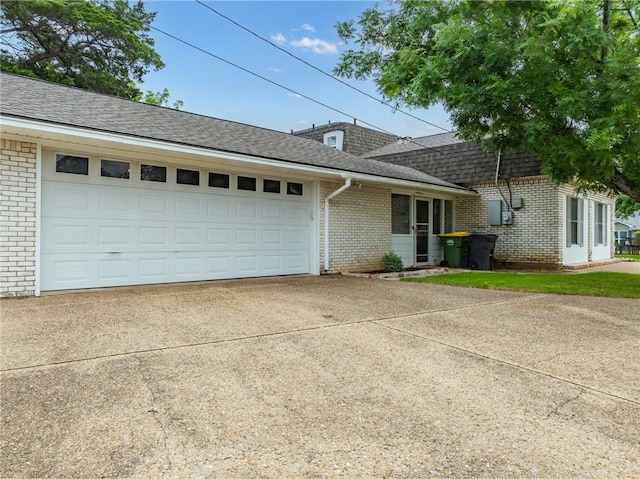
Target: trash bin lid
{"type": "Point", "coordinates": [455, 234]}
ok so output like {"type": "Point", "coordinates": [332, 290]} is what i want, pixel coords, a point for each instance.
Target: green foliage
{"type": "Point", "coordinates": [615, 285]}
{"type": "Point", "coordinates": [626, 206]}
{"type": "Point", "coordinates": [559, 79]}
{"type": "Point", "coordinates": [161, 98]}
{"type": "Point", "coordinates": [98, 45]}
{"type": "Point", "coordinates": [392, 263]}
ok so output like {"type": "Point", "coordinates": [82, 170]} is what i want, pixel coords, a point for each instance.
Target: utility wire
{"type": "Point", "coordinates": [206, 52]}
{"type": "Point", "coordinates": [318, 69]}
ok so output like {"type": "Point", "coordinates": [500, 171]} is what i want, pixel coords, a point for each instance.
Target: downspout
{"type": "Point", "coordinates": [495, 181]}
{"type": "Point", "coordinates": [346, 186]}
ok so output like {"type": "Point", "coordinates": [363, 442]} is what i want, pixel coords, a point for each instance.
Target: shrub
{"type": "Point", "coordinates": [392, 263]}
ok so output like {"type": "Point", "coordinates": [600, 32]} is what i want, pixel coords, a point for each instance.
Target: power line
{"type": "Point", "coordinates": [318, 69]}
{"type": "Point", "coordinates": [213, 55]}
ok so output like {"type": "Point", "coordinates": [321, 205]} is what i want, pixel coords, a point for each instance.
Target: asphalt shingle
{"type": "Point", "coordinates": [27, 98]}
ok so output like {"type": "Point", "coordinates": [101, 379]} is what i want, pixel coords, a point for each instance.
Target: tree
{"type": "Point", "coordinates": [161, 98]}
{"type": "Point", "coordinates": [560, 79]}
{"type": "Point", "coordinates": [626, 206]}
{"type": "Point", "coordinates": [98, 45]}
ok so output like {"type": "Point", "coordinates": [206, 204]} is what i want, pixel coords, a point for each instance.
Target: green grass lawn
{"type": "Point", "coordinates": [615, 285]}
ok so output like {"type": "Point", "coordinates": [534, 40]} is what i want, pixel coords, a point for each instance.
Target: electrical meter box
{"type": "Point", "coordinates": [507, 217]}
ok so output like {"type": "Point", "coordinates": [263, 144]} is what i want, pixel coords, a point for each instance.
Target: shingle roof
{"type": "Point", "coordinates": [412, 144]}
{"type": "Point", "coordinates": [358, 140]}
{"type": "Point", "coordinates": [32, 99]}
{"type": "Point", "coordinates": [452, 159]}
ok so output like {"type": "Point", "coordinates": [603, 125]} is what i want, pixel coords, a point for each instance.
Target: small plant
{"type": "Point", "coordinates": [392, 263]}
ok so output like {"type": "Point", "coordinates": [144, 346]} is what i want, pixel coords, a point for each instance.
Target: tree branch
{"type": "Point", "coordinates": [622, 184]}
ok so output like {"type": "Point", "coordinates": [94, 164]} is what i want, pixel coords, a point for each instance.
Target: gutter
{"type": "Point", "coordinates": [346, 186]}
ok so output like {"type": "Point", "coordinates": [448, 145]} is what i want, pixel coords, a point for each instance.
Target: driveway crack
{"type": "Point", "coordinates": [556, 410]}
{"type": "Point", "coordinates": [155, 414]}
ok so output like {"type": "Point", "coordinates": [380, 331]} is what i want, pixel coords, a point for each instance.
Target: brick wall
{"type": "Point", "coordinates": [534, 238]}
{"type": "Point", "coordinates": [359, 228]}
{"type": "Point", "coordinates": [17, 218]}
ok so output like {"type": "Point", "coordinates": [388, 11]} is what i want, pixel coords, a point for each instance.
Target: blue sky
{"type": "Point", "coordinates": [305, 28]}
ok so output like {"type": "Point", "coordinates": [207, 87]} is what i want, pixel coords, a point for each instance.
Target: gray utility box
{"type": "Point", "coordinates": [497, 216]}
{"type": "Point", "coordinates": [495, 212]}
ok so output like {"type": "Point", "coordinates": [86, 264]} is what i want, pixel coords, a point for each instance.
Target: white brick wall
{"type": "Point", "coordinates": [17, 218]}
{"type": "Point", "coordinates": [535, 238]}
{"type": "Point", "coordinates": [359, 228]}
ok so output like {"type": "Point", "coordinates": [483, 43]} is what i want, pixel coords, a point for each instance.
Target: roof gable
{"type": "Point", "coordinates": [358, 140]}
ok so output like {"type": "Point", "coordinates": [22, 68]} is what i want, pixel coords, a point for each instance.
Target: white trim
{"type": "Point", "coordinates": [35, 128]}
{"type": "Point", "coordinates": [339, 136]}
{"type": "Point", "coordinates": [38, 232]}
{"type": "Point", "coordinates": [315, 222]}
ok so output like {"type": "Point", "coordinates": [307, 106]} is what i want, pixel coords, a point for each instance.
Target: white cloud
{"type": "Point", "coordinates": [278, 38]}
{"type": "Point", "coordinates": [307, 28]}
{"type": "Point", "coordinates": [294, 95]}
{"type": "Point", "coordinates": [316, 45]}
{"type": "Point", "coordinates": [274, 70]}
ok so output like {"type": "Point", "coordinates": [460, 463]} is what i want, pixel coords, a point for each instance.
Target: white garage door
{"type": "Point", "coordinates": [113, 223]}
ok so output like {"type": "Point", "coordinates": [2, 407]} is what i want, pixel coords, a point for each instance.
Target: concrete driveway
{"type": "Point", "coordinates": [319, 377]}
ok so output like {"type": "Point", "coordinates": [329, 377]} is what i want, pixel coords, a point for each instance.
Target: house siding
{"type": "Point", "coordinates": [359, 228]}
{"type": "Point", "coordinates": [534, 238]}
{"type": "Point", "coordinates": [18, 218]}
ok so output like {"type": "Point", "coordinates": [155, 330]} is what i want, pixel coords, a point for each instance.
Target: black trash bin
{"type": "Point", "coordinates": [481, 247]}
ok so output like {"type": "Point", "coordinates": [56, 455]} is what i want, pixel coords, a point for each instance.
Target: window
{"type": "Point", "coordinates": [400, 214]}
{"type": "Point", "coordinates": [294, 189]}
{"type": "Point", "coordinates": [114, 169]}
{"type": "Point", "coordinates": [436, 216]}
{"type": "Point", "coordinates": [575, 208]}
{"type": "Point", "coordinates": [218, 180]}
{"type": "Point", "coordinates": [334, 139]}
{"type": "Point", "coordinates": [153, 173]}
{"type": "Point", "coordinates": [246, 183]}
{"type": "Point", "coordinates": [188, 177]}
{"type": "Point", "coordinates": [76, 165]}
{"type": "Point", "coordinates": [600, 224]}
{"type": "Point", "coordinates": [271, 186]}
{"type": "Point", "coordinates": [448, 216]}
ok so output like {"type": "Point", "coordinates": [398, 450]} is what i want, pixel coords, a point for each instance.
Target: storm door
{"type": "Point", "coordinates": [422, 231]}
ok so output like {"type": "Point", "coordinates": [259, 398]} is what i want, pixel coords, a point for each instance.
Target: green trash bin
{"type": "Point", "coordinates": [455, 248]}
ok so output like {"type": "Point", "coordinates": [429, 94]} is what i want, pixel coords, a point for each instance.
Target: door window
{"type": "Point", "coordinates": [422, 231]}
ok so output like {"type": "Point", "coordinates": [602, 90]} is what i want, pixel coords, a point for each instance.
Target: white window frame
{"type": "Point", "coordinates": [578, 221]}
{"type": "Point", "coordinates": [334, 139]}
{"type": "Point", "coordinates": [600, 223]}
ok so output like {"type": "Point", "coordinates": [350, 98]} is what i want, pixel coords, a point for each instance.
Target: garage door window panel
{"type": "Point", "coordinates": [188, 177]}
{"type": "Point", "coordinates": [246, 183]}
{"type": "Point", "coordinates": [271, 186]}
{"type": "Point", "coordinates": [294, 189]}
{"type": "Point", "coordinates": [114, 169]}
{"type": "Point", "coordinates": [75, 165]}
{"type": "Point", "coordinates": [153, 173]}
{"type": "Point", "coordinates": [218, 180]}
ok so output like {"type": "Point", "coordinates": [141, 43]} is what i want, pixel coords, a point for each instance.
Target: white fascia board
{"type": "Point", "coordinates": [39, 129]}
